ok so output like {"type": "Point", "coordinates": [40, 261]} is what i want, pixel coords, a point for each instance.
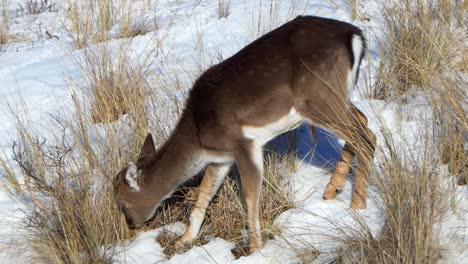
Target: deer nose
{"type": "Point", "coordinates": [135, 226]}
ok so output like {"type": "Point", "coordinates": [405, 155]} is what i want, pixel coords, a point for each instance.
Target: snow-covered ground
{"type": "Point", "coordinates": [34, 72]}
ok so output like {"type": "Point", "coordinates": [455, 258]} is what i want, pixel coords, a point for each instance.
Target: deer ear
{"type": "Point", "coordinates": [148, 147]}
{"type": "Point", "coordinates": [132, 177]}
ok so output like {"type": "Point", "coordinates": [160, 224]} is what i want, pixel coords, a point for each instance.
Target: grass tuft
{"type": "Point", "coordinates": [226, 217]}
{"type": "Point", "coordinates": [4, 23]}
{"type": "Point", "coordinates": [419, 43]}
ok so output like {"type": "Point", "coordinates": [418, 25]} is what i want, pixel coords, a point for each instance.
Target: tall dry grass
{"type": "Point", "coordinates": [226, 216]}
{"type": "Point", "coordinates": [422, 39]}
{"type": "Point", "coordinates": [115, 81]}
{"type": "Point", "coordinates": [91, 21]}
{"type": "Point", "coordinates": [420, 50]}
{"type": "Point", "coordinates": [424, 50]}
{"type": "Point", "coordinates": [414, 196]}
{"type": "Point", "coordinates": [4, 23]}
{"type": "Point", "coordinates": [266, 15]}
{"type": "Point", "coordinates": [63, 173]}
{"type": "Point", "coordinates": [66, 192]}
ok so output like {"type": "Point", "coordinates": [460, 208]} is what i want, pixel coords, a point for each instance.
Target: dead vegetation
{"type": "Point", "coordinates": [424, 50]}
{"type": "Point", "coordinates": [91, 22]}
{"type": "Point", "coordinates": [117, 83]}
{"type": "Point", "coordinates": [65, 179]}
{"type": "Point", "coordinates": [419, 55]}
{"type": "Point", "coordinates": [423, 38]}
{"type": "Point", "coordinates": [4, 23]}
{"type": "Point", "coordinates": [226, 217]}
{"type": "Point", "coordinates": [414, 197]}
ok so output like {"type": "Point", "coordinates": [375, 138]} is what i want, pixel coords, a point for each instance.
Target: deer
{"type": "Point", "coordinates": [303, 71]}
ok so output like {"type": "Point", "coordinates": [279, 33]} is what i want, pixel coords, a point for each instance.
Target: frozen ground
{"type": "Point", "coordinates": [33, 73]}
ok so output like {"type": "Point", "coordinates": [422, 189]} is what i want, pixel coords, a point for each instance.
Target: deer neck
{"type": "Point", "coordinates": [182, 157]}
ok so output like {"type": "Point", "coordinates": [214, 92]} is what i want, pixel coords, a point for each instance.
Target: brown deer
{"type": "Point", "coordinates": [301, 71]}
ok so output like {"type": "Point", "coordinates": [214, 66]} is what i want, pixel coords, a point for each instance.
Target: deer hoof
{"type": "Point", "coordinates": [253, 249]}
{"type": "Point", "coordinates": [183, 245]}
{"type": "Point", "coordinates": [330, 192]}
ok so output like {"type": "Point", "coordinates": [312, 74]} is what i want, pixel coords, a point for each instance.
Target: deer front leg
{"type": "Point", "coordinates": [249, 158]}
{"type": "Point", "coordinates": [213, 178]}
{"type": "Point", "coordinates": [338, 178]}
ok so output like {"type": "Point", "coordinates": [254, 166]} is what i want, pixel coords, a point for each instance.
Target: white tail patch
{"type": "Point", "coordinates": [132, 177]}
{"type": "Point", "coordinates": [357, 45]}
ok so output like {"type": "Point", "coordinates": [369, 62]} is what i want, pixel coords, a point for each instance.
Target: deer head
{"type": "Point", "coordinates": [131, 191]}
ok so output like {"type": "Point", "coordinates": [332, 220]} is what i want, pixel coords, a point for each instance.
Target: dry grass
{"type": "Point", "coordinates": [264, 15]}
{"type": "Point", "coordinates": [420, 42]}
{"type": "Point", "coordinates": [118, 84]}
{"type": "Point", "coordinates": [350, 5]}
{"type": "Point", "coordinates": [91, 21]}
{"type": "Point", "coordinates": [223, 8]}
{"type": "Point", "coordinates": [4, 23]}
{"type": "Point", "coordinates": [226, 217]}
{"type": "Point", "coordinates": [133, 22]}
{"type": "Point", "coordinates": [418, 51]}
{"type": "Point", "coordinates": [67, 192]}
{"type": "Point", "coordinates": [80, 24]}
{"type": "Point", "coordinates": [64, 179]}
{"type": "Point", "coordinates": [414, 196]}
{"type": "Point", "coordinates": [425, 49]}
{"type": "Point", "coordinates": [63, 175]}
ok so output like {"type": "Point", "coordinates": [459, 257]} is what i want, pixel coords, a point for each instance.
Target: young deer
{"type": "Point", "coordinates": [301, 71]}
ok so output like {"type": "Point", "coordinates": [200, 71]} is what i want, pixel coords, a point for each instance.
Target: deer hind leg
{"type": "Point", "coordinates": [249, 158]}
{"type": "Point", "coordinates": [360, 141]}
{"type": "Point", "coordinates": [212, 180]}
{"type": "Point", "coordinates": [364, 146]}
{"type": "Point", "coordinates": [338, 179]}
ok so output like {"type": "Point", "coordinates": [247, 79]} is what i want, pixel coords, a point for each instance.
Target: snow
{"type": "Point", "coordinates": [34, 74]}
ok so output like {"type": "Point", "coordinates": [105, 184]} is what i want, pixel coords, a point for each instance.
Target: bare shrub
{"type": "Point", "coordinates": [69, 213]}
{"type": "Point", "coordinates": [34, 7]}
{"type": "Point", "coordinates": [64, 179]}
